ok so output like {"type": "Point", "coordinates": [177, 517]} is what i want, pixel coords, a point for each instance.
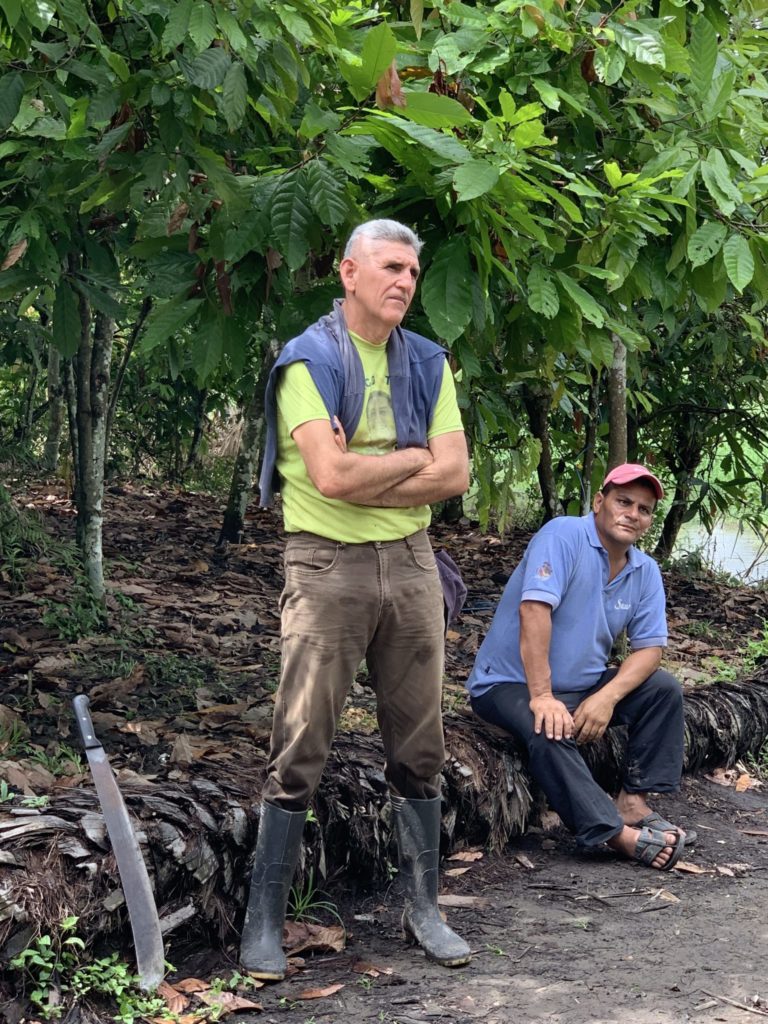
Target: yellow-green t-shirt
{"type": "Point", "coordinates": [299, 401]}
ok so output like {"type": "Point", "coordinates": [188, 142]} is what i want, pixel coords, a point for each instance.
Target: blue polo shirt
{"type": "Point", "coordinates": [566, 566]}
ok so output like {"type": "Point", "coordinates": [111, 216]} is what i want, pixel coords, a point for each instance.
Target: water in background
{"type": "Point", "coordinates": [729, 548]}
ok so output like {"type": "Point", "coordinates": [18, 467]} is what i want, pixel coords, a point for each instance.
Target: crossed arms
{"type": "Point", "coordinates": [399, 479]}
{"type": "Point", "coordinates": [592, 717]}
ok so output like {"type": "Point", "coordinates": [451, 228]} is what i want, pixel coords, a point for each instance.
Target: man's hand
{"type": "Point", "coordinates": [553, 716]}
{"type": "Point", "coordinates": [593, 716]}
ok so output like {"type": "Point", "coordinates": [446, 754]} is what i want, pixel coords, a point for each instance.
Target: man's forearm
{"type": "Point", "coordinates": [423, 488]}
{"type": "Point", "coordinates": [535, 638]}
{"type": "Point", "coordinates": [635, 669]}
{"type": "Point", "coordinates": [445, 477]}
{"type": "Point", "coordinates": [360, 478]}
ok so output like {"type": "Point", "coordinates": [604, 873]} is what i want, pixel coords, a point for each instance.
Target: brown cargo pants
{"type": "Point", "coordinates": [381, 601]}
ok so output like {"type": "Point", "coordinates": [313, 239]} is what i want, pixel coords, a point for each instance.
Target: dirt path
{"type": "Point", "coordinates": [569, 938]}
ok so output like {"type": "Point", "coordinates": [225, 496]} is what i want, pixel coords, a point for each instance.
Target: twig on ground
{"type": "Point", "coordinates": [734, 1002]}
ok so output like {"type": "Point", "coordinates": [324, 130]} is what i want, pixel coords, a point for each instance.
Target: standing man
{"type": "Point", "coordinates": [541, 671]}
{"type": "Point", "coordinates": [364, 431]}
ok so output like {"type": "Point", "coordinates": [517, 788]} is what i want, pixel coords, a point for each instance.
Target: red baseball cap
{"type": "Point", "coordinates": [628, 472]}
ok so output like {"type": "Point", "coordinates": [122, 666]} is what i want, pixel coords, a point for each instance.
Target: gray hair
{"type": "Point", "coordinates": [383, 230]}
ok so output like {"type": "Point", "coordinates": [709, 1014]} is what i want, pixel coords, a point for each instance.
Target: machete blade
{"type": "Point", "coordinates": [139, 898]}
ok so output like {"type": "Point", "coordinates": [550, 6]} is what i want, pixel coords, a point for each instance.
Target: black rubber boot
{"type": "Point", "coordinates": [418, 840]}
{"type": "Point", "coordinates": [277, 850]}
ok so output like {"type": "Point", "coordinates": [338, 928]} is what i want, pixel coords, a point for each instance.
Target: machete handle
{"type": "Point", "coordinates": [81, 705]}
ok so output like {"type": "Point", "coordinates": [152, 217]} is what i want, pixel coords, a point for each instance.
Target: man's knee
{"type": "Point", "coordinates": [665, 687]}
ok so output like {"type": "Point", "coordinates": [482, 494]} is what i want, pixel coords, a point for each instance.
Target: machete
{"type": "Point", "coordinates": [142, 911]}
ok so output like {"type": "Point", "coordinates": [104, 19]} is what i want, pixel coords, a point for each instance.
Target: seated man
{"type": "Point", "coordinates": [541, 671]}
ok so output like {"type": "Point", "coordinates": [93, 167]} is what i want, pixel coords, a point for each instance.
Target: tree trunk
{"type": "Point", "coordinates": [537, 398]}
{"type": "Point", "coordinates": [92, 374]}
{"type": "Point", "coordinates": [590, 440]}
{"type": "Point", "coordinates": [193, 457]}
{"type": "Point", "coordinates": [683, 462]}
{"type": "Point", "coordinates": [24, 426]}
{"type": "Point", "coordinates": [50, 460]}
{"type": "Point", "coordinates": [247, 456]}
{"type": "Point", "coordinates": [70, 392]}
{"type": "Point", "coordinates": [146, 306]}
{"type": "Point", "coordinates": [617, 404]}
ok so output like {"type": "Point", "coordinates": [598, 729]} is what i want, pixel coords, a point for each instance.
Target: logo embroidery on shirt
{"type": "Point", "coordinates": [544, 571]}
{"type": "Point", "coordinates": [622, 606]}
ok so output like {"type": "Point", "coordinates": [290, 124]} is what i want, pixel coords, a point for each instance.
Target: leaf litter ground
{"type": "Point", "coordinates": [557, 935]}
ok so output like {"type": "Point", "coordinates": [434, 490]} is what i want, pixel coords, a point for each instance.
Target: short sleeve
{"type": "Point", "coordinates": [298, 400]}
{"type": "Point", "coordinates": [648, 626]}
{"type": "Point", "coordinates": [446, 417]}
{"type": "Point", "coordinates": [550, 561]}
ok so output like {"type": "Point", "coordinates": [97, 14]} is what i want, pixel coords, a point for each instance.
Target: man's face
{"type": "Point", "coordinates": [624, 514]}
{"type": "Point", "coordinates": [379, 281]}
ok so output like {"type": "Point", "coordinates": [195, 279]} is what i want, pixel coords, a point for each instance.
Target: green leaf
{"type": "Point", "coordinates": [165, 320]}
{"type": "Point", "coordinates": [613, 173]}
{"type": "Point", "coordinates": [12, 11]}
{"type": "Point", "coordinates": [434, 111]}
{"type": "Point", "coordinates": [175, 31]}
{"type": "Point", "coordinates": [446, 294]}
{"type": "Point", "coordinates": [209, 68]}
{"type": "Point", "coordinates": [717, 178]}
{"type": "Point", "coordinates": [11, 93]}
{"type": "Point", "coordinates": [542, 293]}
{"type": "Point", "coordinates": [316, 120]}
{"type": "Point", "coordinates": [379, 50]}
{"type": "Point", "coordinates": [548, 94]}
{"type": "Point", "coordinates": [589, 307]}
{"type": "Point", "coordinates": [235, 95]}
{"type": "Point", "coordinates": [718, 95]}
{"type": "Point", "coordinates": [291, 215]}
{"type": "Point", "coordinates": [710, 285]}
{"type": "Point", "coordinates": [739, 264]}
{"type": "Point", "coordinates": [326, 193]}
{"type": "Point", "coordinates": [703, 52]}
{"type": "Point", "coordinates": [473, 179]}
{"type": "Point", "coordinates": [417, 16]}
{"type": "Point", "coordinates": [39, 13]}
{"type": "Point", "coordinates": [644, 44]}
{"type": "Point", "coordinates": [445, 146]}
{"type": "Point", "coordinates": [207, 348]}
{"type": "Point", "coordinates": [706, 242]}
{"type": "Point", "coordinates": [67, 326]}
{"type": "Point", "coordinates": [202, 25]}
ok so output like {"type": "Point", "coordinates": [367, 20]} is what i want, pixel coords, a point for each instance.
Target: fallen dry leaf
{"type": "Point", "coordinates": [753, 831]}
{"type": "Point", "coordinates": [721, 869]}
{"type": "Point", "coordinates": [303, 936]}
{"type": "Point", "coordinates": [745, 782]}
{"type": "Point", "coordinates": [666, 896]}
{"type": "Point", "coordinates": [185, 1018]}
{"type": "Point", "coordinates": [363, 967]}
{"type": "Point", "coordinates": [187, 749]}
{"type": "Point", "coordinates": [467, 855]}
{"type": "Point", "coordinates": [321, 993]}
{"type": "Point", "coordinates": [175, 1000]}
{"type": "Point", "coordinates": [448, 900]}
{"type": "Point", "coordinates": [228, 1002]}
{"type": "Point", "coordinates": [692, 869]}
{"type": "Point", "coordinates": [455, 872]}
{"type": "Point", "coordinates": [191, 985]}
{"type": "Point", "coordinates": [550, 820]}
{"type": "Point", "coordinates": [525, 862]}
{"type": "Point", "coordinates": [722, 776]}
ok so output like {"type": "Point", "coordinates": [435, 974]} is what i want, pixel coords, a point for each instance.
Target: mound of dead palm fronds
{"type": "Point", "coordinates": [197, 836]}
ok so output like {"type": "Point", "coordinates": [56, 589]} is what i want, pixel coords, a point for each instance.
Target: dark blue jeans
{"type": "Point", "coordinates": [653, 714]}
